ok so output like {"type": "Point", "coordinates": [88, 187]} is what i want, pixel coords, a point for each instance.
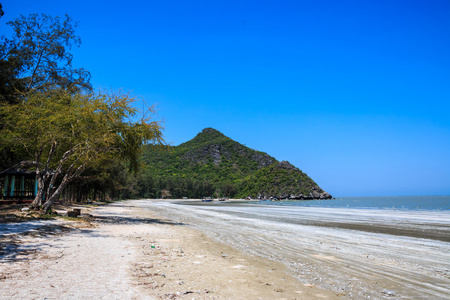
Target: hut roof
{"type": "Point", "coordinates": [17, 171]}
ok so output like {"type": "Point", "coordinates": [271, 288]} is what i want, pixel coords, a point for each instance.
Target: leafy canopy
{"type": "Point", "coordinates": [51, 121]}
{"type": "Point", "coordinates": [60, 134]}
{"type": "Point", "coordinates": [37, 58]}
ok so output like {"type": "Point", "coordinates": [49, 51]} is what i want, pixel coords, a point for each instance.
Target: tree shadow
{"type": "Point", "coordinates": [16, 246]}
{"type": "Point", "coordinates": [23, 241]}
{"type": "Point", "coordinates": [123, 220]}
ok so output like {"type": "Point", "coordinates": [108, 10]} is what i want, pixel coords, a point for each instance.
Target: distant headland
{"type": "Point", "coordinates": [212, 164]}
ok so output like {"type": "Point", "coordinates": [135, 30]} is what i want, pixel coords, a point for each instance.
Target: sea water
{"type": "Point", "coordinates": [386, 202]}
{"type": "Point", "coordinates": [357, 246]}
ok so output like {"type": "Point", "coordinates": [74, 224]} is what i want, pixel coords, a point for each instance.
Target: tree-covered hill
{"type": "Point", "coordinates": [212, 164]}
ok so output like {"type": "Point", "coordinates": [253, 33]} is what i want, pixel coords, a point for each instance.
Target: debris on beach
{"type": "Point", "coordinates": [388, 293]}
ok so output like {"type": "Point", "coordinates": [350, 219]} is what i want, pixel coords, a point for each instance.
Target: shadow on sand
{"type": "Point", "coordinates": [123, 220]}
{"type": "Point", "coordinates": [15, 246]}
{"type": "Point", "coordinates": [24, 240]}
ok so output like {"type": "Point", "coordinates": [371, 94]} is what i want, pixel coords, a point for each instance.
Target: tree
{"type": "Point", "coordinates": [62, 133]}
{"type": "Point", "coordinates": [36, 58]}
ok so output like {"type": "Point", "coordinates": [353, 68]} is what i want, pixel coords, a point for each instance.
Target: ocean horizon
{"type": "Point", "coordinates": [372, 202]}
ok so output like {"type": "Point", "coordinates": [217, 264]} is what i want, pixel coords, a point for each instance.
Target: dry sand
{"type": "Point", "coordinates": [131, 253]}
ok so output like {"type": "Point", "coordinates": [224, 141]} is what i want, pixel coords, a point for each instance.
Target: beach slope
{"type": "Point", "coordinates": [129, 252]}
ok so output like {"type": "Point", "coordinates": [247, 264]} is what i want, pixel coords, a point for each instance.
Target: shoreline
{"type": "Point", "coordinates": [355, 252]}
{"type": "Point", "coordinates": [133, 253]}
{"type": "Point", "coordinates": [436, 234]}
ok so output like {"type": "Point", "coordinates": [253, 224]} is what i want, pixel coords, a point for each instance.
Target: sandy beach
{"type": "Point", "coordinates": [129, 252]}
{"type": "Point", "coordinates": [356, 253]}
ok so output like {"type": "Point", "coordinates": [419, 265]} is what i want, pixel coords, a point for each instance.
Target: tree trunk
{"type": "Point", "coordinates": [48, 204]}
{"type": "Point", "coordinates": [68, 177]}
{"type": "Point", "coordinates": [37, 202]}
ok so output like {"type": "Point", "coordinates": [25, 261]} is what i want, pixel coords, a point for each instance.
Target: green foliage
{"type": "Point", "coordinates": [51, 122]}
{"type": "Point", "coordinates": [60, 134]}
{"type": "Point", "coordinates": [37, 58]}
{"type": "Point", "coordinates": [212, 164]}
{"type": "Point", "coordinates": [276, 180]}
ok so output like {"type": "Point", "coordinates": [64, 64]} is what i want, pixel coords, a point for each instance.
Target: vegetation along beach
{"type": "Point", "coordinates": [224, 149]}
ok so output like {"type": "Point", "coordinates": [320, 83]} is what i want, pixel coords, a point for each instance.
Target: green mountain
{"type": "Point", "coordinates": [212, 164]}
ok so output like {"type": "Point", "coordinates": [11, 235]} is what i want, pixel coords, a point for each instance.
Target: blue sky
{"type": "Point", "coordinates": [354, 93]}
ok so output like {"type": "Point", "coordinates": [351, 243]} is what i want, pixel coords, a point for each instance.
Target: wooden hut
{"type": "Point", "coordinates": [17, 185]}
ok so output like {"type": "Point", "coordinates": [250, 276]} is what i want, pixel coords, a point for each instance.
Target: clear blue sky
{"type": "Point", "coordinates": [354, 93]}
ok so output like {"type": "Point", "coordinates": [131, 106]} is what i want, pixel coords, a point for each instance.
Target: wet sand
{"type": "Point", "coordinates": [355, 253]}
